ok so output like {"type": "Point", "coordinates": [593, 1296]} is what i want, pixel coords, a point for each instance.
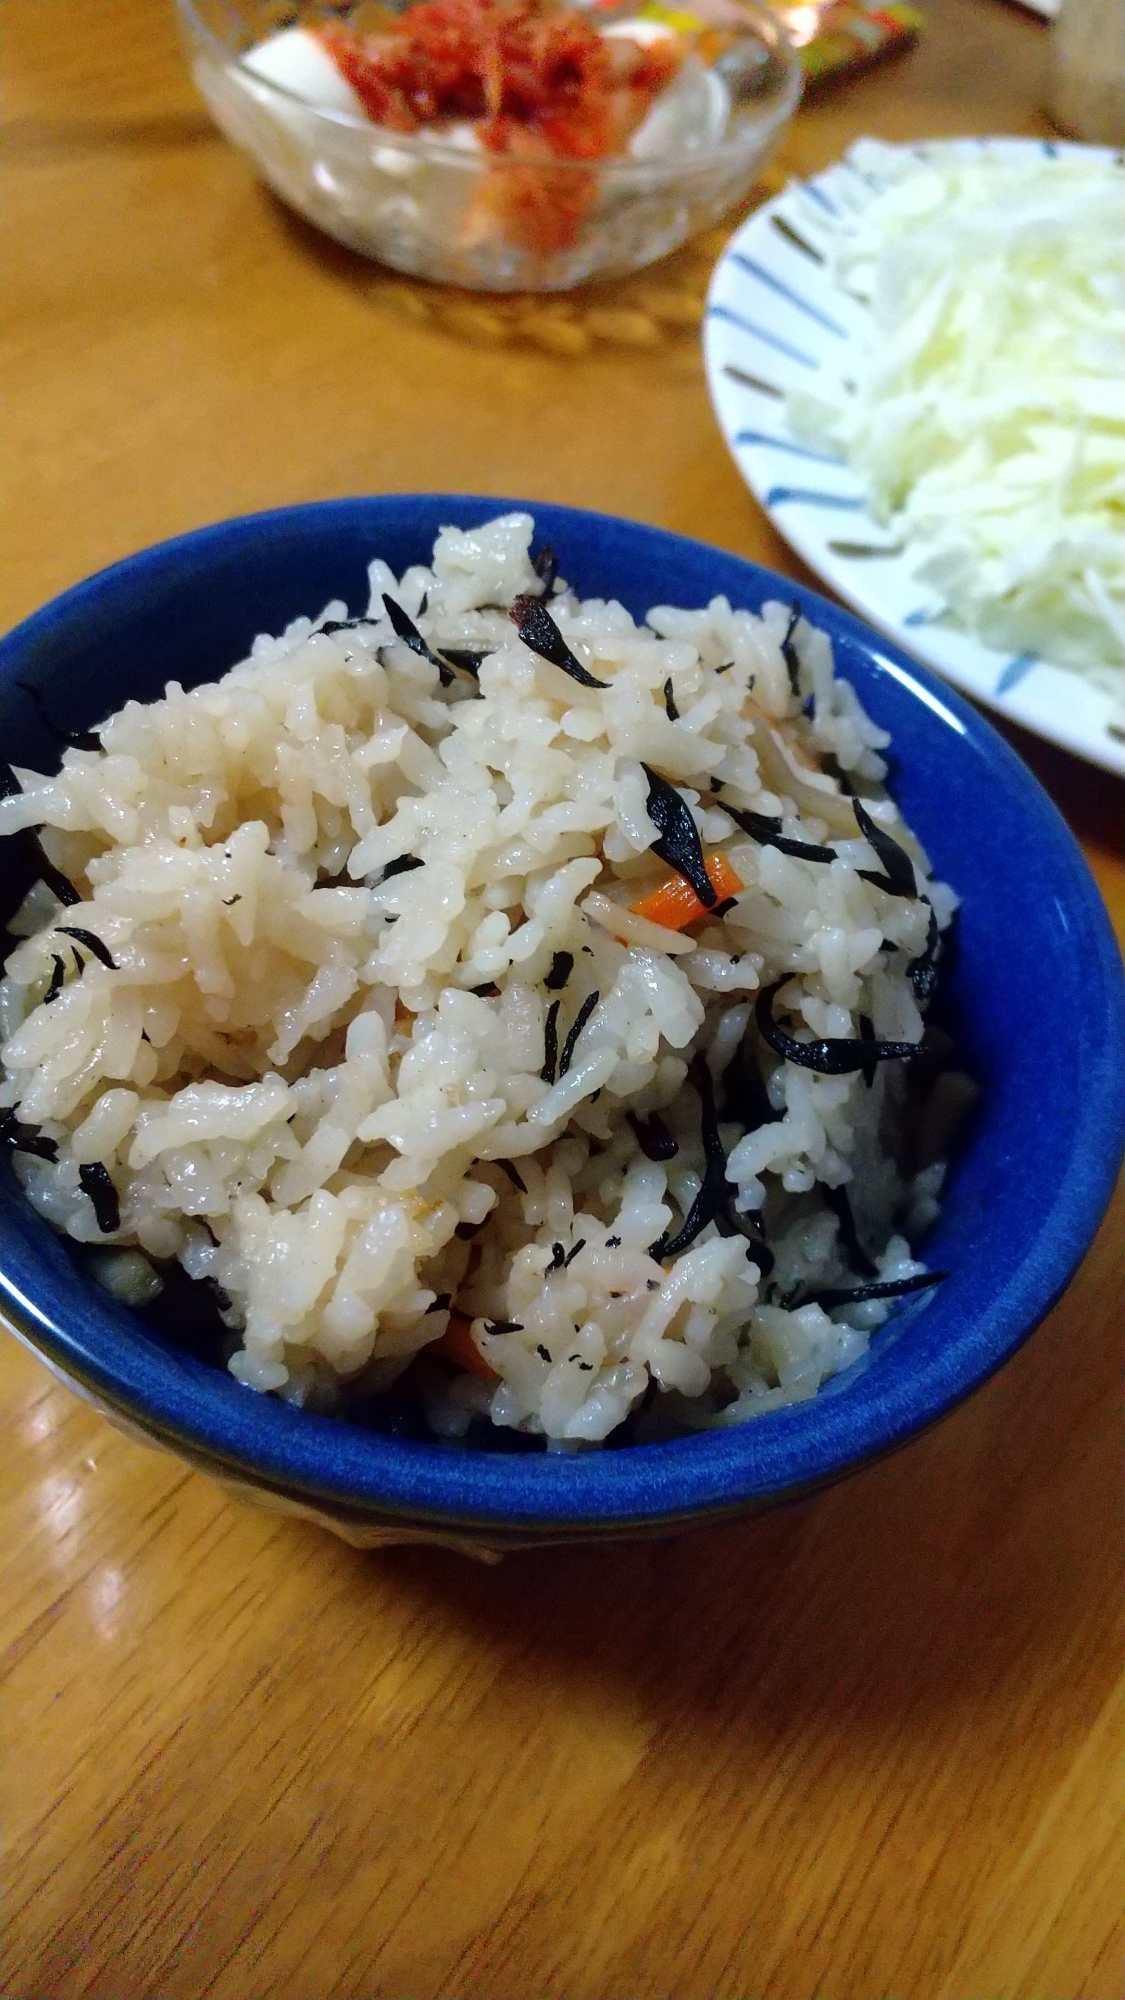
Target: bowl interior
{"type": "Point", "coordinates": [1034, 998]}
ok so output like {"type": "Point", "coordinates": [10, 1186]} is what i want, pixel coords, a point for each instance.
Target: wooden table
{"type": "Point", "coordinates": [858, 1748]}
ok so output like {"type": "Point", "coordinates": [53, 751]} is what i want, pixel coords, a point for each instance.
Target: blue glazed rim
{"type": "Point", "coordinates": [958, 774]}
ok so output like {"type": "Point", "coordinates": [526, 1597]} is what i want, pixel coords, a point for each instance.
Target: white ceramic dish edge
{"type": "Point", "coordinates": [772, 313]}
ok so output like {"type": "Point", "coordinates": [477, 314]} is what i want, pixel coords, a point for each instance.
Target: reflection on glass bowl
{"type": "Point", "coordinates": [413, 200]}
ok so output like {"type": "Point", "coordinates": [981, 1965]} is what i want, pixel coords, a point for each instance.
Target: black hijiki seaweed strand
{"type": "Point", "coordinates": [60, 885]}
{"type": "Point", "coordinates": [653, 1136]}
{"type": "Point", "coordinates": [714, 1199]}
{"type": "Point", "coordinates": [867, 1034]}
{"type": "Point", "coordinates": [541, 635]}
{"type": "Point", "coordinates": [57, 978]}
{"type": "Point", "coordinates": [832, 768]}
{"type": "Point", "coordinates": [403, 866]}
{"type": "Point", "coordinates": [95, 1182]}
{"type": "Point", "coordinates": [923, 972]}
{"type": "Point", "coordinates": [28, 841]}
{"type": "Point", "coordinates": [92, 942]}
{"type": "Point", "coordinates": [670, 709]}
{"type": "Point", "coordinates": [829, 1298]}
{"type": "Point", "coordinates": [767, 832]}
{"type": "Point", "coordinates": [549, 1070]}
{"type": "Point", "coordinates": [514, 1175]}
{"type": "Point", "coordinates": [580, 1020]}
{"type": "Point", "coordinates": [711, 1201]}
{"type": "Point", "coordinates": [407, 631]}
{"type": "Point", "coordinates": [729, 1222]}
{"type": "Point", "coordinates": [746, 1100]}
{"type": "Point", "coordinates": [789, 651]}
{"type": "Point", "coordinates": [562, 965]}
{"type": "Point", "coordinates": [220, 1297]}
{"type": "Point", "coordinates": [898, 877]}
{"type": "Point", "coordinates": [25, 1139]}
{"type": "Point", "coordinates": [837, 1199]}
{"type": "Point", "coordinates": [679, 843]}
{"type": "Point", "coordinates": [76, 739]}
{"type": "Point", "coordinates": [468, 658]}
{"type": "Point", "coordinates": [546, 567]}
{"type": "Point", "coordinates": [827, 1057]}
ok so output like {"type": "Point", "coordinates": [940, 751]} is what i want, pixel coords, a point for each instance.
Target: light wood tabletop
{"type": "Point", "coordinates": [857, 1748]}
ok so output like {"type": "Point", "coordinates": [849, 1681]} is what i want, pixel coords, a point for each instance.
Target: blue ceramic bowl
{"type": "Point", "coordinates": [1035, 999]}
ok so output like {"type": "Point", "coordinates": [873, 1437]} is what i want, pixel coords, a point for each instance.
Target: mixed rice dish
{"type": "Point", "coordinates": [492, 1001]}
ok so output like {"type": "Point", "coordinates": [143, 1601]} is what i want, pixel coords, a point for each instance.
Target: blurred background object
{"type": "Point", "coordinates": [426, 199]}
{"type": "Point", "coordinates": [836, 39]}
{"type": "Point", "coordinates": [1086, 74]}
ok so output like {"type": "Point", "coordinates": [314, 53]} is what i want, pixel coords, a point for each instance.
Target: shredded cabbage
{"type": "Point", "coordinates": [987, 415]}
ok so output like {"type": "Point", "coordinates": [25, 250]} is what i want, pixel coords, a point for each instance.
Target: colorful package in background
{"type": "Point", "coordinates": [845, 36]}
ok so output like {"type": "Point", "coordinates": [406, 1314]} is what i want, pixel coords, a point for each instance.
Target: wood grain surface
{"type": "Point", "coordinates": [858, 1749]}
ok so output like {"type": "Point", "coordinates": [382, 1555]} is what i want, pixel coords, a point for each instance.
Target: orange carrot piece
{"type": "Point", "coordinates": [675, 904]}
{"type": "Point", "coordinates": [456, 1344]}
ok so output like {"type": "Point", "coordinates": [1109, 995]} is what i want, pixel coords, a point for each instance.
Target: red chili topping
{"type": "Point", "coordinates": [521, 70]}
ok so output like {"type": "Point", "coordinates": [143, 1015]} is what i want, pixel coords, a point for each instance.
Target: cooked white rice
{"type": "Point", "coordinates": [298, 1094]}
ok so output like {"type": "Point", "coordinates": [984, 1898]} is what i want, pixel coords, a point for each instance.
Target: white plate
{"type": "Point", "coordinates": [773, 313]}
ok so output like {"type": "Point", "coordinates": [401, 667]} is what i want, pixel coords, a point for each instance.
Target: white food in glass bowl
{"type": "Point", "coordinates": [299, 62]}
{"type": "Point", "coordinates": [688, 116]}
{"type": "Point", "coordinates": [439, 204]}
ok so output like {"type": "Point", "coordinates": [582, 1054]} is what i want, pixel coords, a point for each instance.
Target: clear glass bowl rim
{"type": "Point", "coordinates": [750, 137]}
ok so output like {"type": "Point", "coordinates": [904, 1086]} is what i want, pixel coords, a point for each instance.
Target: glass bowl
{"type": "Point", "coordinates": [405, 198]}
